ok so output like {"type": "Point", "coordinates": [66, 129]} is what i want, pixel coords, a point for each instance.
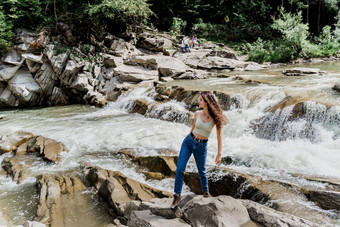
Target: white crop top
{"type": "Point", "coordinates": [203, 128]}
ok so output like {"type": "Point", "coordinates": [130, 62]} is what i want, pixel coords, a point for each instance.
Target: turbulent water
{"type": "Point", "coordinates": [278, 149]}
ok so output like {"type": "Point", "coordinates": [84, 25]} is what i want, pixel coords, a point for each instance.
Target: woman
{"type": "Point", "coordinates": [196, 143]}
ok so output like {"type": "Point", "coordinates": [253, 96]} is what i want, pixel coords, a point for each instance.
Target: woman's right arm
{"type": "Point", "coordinates": [193, 124]}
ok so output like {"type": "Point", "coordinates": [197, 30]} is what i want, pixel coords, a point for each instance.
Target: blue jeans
{"type": "Point", "coordinates": [186, 47]}
{"type": "Point", "coordinates": [199, 149]}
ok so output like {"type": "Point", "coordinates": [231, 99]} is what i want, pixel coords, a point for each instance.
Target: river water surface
{"type": "Point", "coordinates": [94, 136]}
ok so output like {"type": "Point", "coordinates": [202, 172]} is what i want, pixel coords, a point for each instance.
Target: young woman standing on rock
{"type": "Point", "coordinates": [196, 143]}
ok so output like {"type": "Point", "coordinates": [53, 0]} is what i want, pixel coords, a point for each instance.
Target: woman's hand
{"type": "Point", "coordinates": [218, 158]}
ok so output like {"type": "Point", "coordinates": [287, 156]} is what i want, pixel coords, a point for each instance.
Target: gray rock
{"type": "Point", "coordinates": [336, 87]}
{"type": "Point", "coordinates": [81, 82]}
{"type": "Point", "coordinates": [153, 42]}
{"type": "Point", "coordinates": [224, 53]}
{"type": "Point", "coordinates": [58, 97]}
{"type": "Point", "coordinates": [71, 70]}
{"type": "Point", "coordinates": [326, 199]}
{"type": "Point", "coordinates": [13, 57]}
{"type": "Point", "coordinates": [10, 142]}
{"type": "Point", "coordinates": [32, 224]}
{"type": "Point", "coordinates": [114, 193]}
{"type": "Point", "coordinates": [25, 87]}
{"type": "Point", "coordinates": [220, 63]}
{"type": "Point", "coordinates": [134, 73]}
{"type": "Point", "coordinates": [58, 62]}
{"type": "Point", "coordinates": [33, 57]}
{"type": "Point", "coordinates": [7, 71]}
{"type": "Point", "coordinates": [215, 211]}
{"type": "Point", "coordinates": [271, 217]}
{"type": "Point", "coordinates": [46, 78]}
{"type": "Point", "coordinates": [33, 67]}
{"type": "Point", "coordinates": [302, 71]}
{"type": "Point", "coordinates": [147, 219]}
{"type": "Point", "coordinates": [8, 98]}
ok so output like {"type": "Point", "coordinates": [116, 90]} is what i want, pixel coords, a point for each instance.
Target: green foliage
{"type": "Point", "coordinates": [6, 33]}
{"type": "Point", "coordinates": [120, 10]}
{"type": "Point", "coordinates": [215, 32]}
{"type": "Point", "coordinates": [294, 31]}
{"type": "Point", "coordinates": [269, 51]}
{"type": "Point", "coordinates": [178, 25]}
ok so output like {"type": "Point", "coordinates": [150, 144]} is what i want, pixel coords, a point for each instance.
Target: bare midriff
{"type": "Point", "coordinates": [200, 136]}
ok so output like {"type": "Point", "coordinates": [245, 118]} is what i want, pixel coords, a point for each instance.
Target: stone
{"type": "Point", "coordinates": [114, 193]}
{"type": "Point", "coordinates": [336, 87]}
{"type": "Point", "coordinates": [81, 82]}
{"type": "Point", "coordinates": [58, 62]}
{"type": "Point", "coordinates": [10, 142]}
{"type": "Point", "coordinates": [146, 218]}
{"type": "Point", "coordinates": [153, 42]}
{"type": "Point", "coordinates": [223, 53]}
{"type": "Point", "coordinates": [140, 106]}
{"type": "Point", "coordinates": [32, 224]}
{"type": "Point", "coordinates": [48, 148]}
{"type": "Point", "coordinates": [46, 78]}
{"type": "Point", "coordinates": [326, 199]}
{"type": "Point", "coordinates": [216, 211]}
{"type": "Point", "coordinates": [220, 63]}
{"type": "Point", "coordinates": [162, 164]}
{"type": "Point", "coordinates": [13, 57]}
{"type": "Point", "coordinates": [8, 98]}
{"type": "Point", "coordinates": [25, 88]}
{"type": "Point", "coordinates": [33, 57]}
{"type": "Point", "coordinates": [271, 217]}
{"type": "Point", "coordinates": [58, 97]}
{"type": "Point", "coordinates": [297, 71]}
{"type": "Point", "coordinates": [126, 73]}
{"type": "Point", "coordinates": [7, 71]}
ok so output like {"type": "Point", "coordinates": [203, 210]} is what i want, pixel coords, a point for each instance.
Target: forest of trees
{"type": "Point", "coordinates": [265, 30]}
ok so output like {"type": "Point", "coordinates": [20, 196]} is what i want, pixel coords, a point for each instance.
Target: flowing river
{"type": "Point", "coordinates": [262, 143]}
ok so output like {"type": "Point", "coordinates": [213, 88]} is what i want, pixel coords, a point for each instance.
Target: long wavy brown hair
{"type": "Point", "coordinates": [214, 109]}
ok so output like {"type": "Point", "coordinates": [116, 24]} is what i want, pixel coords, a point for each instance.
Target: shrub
{"type": "Point", "coordinates": [178, 25]}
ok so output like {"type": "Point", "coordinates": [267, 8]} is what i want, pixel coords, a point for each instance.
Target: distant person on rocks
{"type": "Point", "coordinates": [185, 45]}
{"type": "Point", "coordinates": [196, 143]}
{"type": "Point", "coordinates": [194, 41]}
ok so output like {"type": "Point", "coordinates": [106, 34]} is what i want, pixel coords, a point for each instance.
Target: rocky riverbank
{"type": "Point", "coordinates": [100, 71]}
{"type": "Point", "coordinates": [239, 199]}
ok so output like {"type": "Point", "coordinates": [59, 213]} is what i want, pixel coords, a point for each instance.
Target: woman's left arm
{"type": "Point", "coordinates": [219, 144]}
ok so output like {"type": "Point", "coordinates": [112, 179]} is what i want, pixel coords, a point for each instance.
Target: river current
{"type": "Point", "coordinates": [279, 151]}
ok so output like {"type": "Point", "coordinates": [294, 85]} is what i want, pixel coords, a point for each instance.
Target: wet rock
{"type": "Point", "coordinates": [16, 168]}
{"type": "Point", "coordinates": [140, 106]}
{"type": "Point", "coordinates": [135, 190]}
{"type": "Point", "coordinates": [49, 149]}
{"type": "Point", "coordinates": [112, 191]}
{"type": "Point", "coordinates": [336, 87]}
{"type": "Point", "coordinates": [95, 98]}
{"type": "Point", "coordinates": [326, 199]}
{"type": "Point", "coordinates": [270, 217]}
{"type": "Point", "coordinates": [10, 142]}
{"type": "Point", "coordinates": [153, 175]}
{"type": "Point", "coordinates": [302, 71]}
{"type": "Point", "coordinates": [162, 164]}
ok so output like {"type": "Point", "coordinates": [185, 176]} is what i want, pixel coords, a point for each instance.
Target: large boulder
{"type": "Point", "coordinates": [46, 78]}
{"type": "Point", "coordinates": [219, 211]}
{"type": "Point", "coordinates": [146, 218]}
{"type": "Point", "coordinates": [7, 71]}
{"type": "Point", "coordinates": [25, 88]}
{"type": "Point", "coordinates": [13, 57]}
{"type": "Point", "coordinates": [223, 53]}
{"type": "Point", "coordinates": [192, 59]}
{"type": "Point", "coordinates": [220, 63]}
{"type": "Point", "coordinates": [7, 98]}
{"type": "Point", "coordinates": [127, 73]}
{"type": "Point", "coordinates": [154, 43]}
{"type": "Point", "coordinates": [48, 148]}
{"type": "Point", "coordinates": [270, 217]}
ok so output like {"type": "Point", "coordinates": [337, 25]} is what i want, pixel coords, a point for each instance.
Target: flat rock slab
{"type": "Point", "coordinates": [146, 218]}
{"type": "Point", "coordinates": [10, 142]}
{"type": "Point", "coordinates": [302, 71]}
